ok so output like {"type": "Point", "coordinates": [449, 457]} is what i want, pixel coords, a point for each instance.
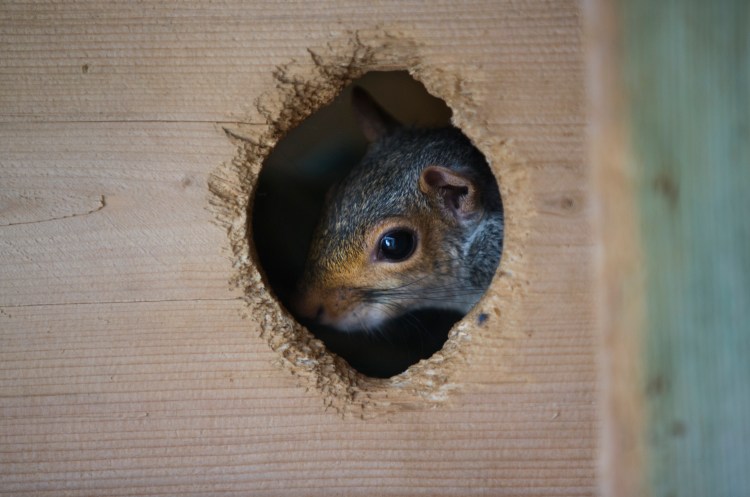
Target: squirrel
{"type": "Point", "coordinates": [417, 224]}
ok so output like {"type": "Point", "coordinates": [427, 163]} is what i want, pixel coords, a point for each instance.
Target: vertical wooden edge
{"type": "Point", "coordinates": [618, 260]}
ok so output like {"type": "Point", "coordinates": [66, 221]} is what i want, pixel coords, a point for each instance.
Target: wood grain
{"type": "Point", "coordinates": [126, 367]}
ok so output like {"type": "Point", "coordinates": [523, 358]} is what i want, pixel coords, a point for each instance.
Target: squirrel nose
{"type": "Point", "coordinates": [307, 306]}
{"type": "Point", "coordinates": [320, 313]}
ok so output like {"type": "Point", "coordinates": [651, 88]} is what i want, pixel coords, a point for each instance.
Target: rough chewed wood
{"type": "Point", "coordinates": [140, 353]}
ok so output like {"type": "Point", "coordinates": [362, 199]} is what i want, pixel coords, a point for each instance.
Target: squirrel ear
{"type": "Point", "coordinates": [454, 191]}
{"type": "Point", "coordinates": [374, 121]}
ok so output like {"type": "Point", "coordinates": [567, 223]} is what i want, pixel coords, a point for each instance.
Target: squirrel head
{"type": "Point", "coordinates": [395, 233]}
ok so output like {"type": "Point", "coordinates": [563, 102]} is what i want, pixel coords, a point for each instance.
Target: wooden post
{"type": "Point", "coordinates": [671, 141]}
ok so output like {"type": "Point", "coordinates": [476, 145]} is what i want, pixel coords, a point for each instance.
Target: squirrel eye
{"type": "Point", "coordinates": [396, 245]}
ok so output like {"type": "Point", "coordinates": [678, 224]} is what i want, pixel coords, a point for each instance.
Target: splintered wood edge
{"type": "Point", "coordinates": [300, 89]}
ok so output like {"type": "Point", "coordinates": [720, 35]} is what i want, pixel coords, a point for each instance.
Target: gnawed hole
{"type": "Point", "coordinates": [288, 203]}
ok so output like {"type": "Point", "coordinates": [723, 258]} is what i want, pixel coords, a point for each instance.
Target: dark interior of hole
{"type": "Point", "coordinates": [288, 201]}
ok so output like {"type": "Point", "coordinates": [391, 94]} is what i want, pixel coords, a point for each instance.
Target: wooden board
{"type": "Point", "coordinates": [129, 365]}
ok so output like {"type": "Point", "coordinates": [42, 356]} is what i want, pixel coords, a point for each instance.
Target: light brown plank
{"type": "Point", "coordinates": [126, 367]}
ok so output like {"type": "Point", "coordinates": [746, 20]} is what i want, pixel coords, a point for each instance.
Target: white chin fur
{"type": "Point", "coordinates": [362, 318]}
{"type": "Point", "coordinates": [365, 317]}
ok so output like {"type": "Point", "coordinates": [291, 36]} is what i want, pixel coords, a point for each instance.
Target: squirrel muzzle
{"type": "Point", "coordinates": [339, 307]}
{"type": "Point", "coordinates": [321, 306]}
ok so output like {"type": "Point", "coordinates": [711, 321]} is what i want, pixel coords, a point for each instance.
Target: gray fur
{"type": "Point", "coordinates": [386, 183]}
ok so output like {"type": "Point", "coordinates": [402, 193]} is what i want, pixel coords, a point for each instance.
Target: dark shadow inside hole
{"type": "Point", "coordinates": [289, 198]}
